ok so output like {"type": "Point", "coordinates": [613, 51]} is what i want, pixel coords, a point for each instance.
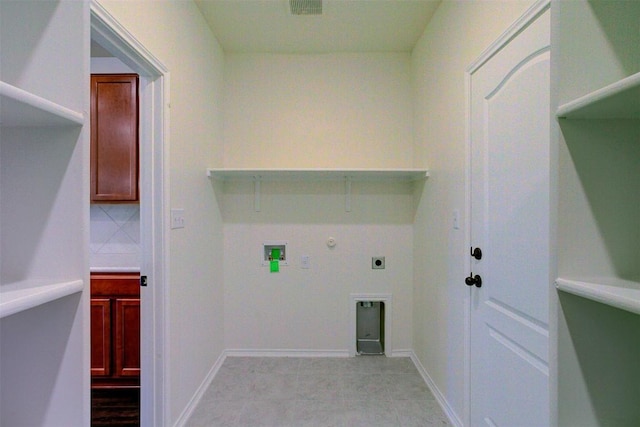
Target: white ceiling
{"type": "Point", "coordinates": [344, 26]}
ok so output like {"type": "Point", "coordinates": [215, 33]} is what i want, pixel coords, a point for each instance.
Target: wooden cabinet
{"type": "Point", "coordinates": [114, 138]}
{"type": "Point", "coordinates": [100, 337]}
{"type": "Point", "coordinates": [115, 330]}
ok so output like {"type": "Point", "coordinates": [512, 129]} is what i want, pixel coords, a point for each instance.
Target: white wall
{"type": "Point", "coordinates": [318, 110]}
{"type": "Point", "coordinates": [308, 309]}
{"type": "Point", "coordinates": [457, 35]}
{"type": "Point", "coordinates": [108, 65]}
{"type": "Point", "coordinates": [176, 33]}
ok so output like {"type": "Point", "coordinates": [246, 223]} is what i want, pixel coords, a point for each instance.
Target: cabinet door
{"type": "Point", "coordinates": [100, 337]}
{"type": "Point", "coordinates": [114, 137]}
{"type": "Point", "coordinates": [127, 338]}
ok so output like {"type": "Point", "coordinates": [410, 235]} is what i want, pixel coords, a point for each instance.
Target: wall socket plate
{"type": "Point", "coordinates": [377, 263]}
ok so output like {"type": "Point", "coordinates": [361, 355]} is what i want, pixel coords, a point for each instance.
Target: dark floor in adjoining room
{"type": "Point", "coordinates": [115, 407]}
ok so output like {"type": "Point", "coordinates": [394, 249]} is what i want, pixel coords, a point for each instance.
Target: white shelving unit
{"type": "Point", "coordinates": [21, 296]}
{"type": "Point", "coordinates": [318, 174]}
{"type": "Point", "coordinates": [24, 109]}
{"type": "Point", "coordinates": [596, 49]}
{"type": "Point", "coordinates": [619, 293]}
{"type": "Point", "coordinates": [619, 100]}
{"type": "Point", "coordinates": [44, 364]}
{"type": "Point", "coordinates": [311, 175]}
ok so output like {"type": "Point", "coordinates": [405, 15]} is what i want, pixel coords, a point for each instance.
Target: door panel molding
{"type": "Point", "coordinates": [536, 329]}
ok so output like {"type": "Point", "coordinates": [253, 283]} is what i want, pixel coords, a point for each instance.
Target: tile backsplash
{"type": "Point", "coordinates": [115, 237]}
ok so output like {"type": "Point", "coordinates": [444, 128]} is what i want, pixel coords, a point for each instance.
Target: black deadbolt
{"type": "Point", "coordinates": [476, 253]}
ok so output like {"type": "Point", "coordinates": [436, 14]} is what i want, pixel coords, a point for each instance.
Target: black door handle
{"type": "Point", "coordinates": [473, 280]}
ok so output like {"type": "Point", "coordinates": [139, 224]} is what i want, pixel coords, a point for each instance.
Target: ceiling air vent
{"type": "Point", "coordinates": [305, 7]}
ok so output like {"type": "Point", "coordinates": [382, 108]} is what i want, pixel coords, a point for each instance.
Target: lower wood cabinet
{"type": "Point", "coordinates": [115, 330]}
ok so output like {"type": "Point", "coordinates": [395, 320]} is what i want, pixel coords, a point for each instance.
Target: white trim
{"type": "Point", "coordinates": [533, 13]}
{"type": "Point", "coordinates": [284, 353]}
{"type": "Point", "coordinates": [114, 37]}
{"type": "Point", "coordinates": [353, 300]}
{"type": "Point", "coordinates": [442, 401]}
{"type": "Point", "coordinates": [197, 397]}
{"type": "Point", "coordinates": [154, 150]}
{"type": "Point", "coordinates": [467, 244]}
{"type": "Point", "coordinates": [401, 353]}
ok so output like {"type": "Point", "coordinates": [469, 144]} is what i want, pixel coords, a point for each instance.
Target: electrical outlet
{"type": "Point", "coordinates": [377, 263]}
{"type": "Point", "coordinates": [177, 218]}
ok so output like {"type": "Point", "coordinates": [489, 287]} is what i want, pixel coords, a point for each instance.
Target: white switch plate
{"type": "Point", "coordinates": [305, 262]}
{"type": "Point", "coordinates": [177, 218]}
{"type": "Point", "coordinates": [456, 219]}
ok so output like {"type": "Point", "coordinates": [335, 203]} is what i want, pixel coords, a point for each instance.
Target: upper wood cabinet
{"type": "Point", "coordinates": [114, 138]}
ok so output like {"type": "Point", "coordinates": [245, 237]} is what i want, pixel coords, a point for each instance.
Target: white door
{"type": "Point", "coordinates": [510, 184]}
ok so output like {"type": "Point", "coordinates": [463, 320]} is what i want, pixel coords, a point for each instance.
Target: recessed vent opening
{"type": "Point", "coordinates": [305, 7]}
{"type": "Point", "coordinates": [370, 327]}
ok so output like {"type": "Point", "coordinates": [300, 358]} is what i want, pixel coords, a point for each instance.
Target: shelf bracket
{"type": "Point", "coordinates": [256, 193]}
{"type": "Point", "coordinates": [347, 194]}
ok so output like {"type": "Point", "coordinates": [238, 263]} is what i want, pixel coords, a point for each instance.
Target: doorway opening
{"type": "Point", "coordinates": [153, 148]}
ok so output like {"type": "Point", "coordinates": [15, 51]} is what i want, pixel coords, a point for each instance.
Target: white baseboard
{"type": "Point", "coordinates": [285, 353]}
{"type": "Point", "coordinates": [442, 401]}
{"type": "Point", "coordinates": [193, 403]}
{"type": "Point", "coordinates": [400, 353]}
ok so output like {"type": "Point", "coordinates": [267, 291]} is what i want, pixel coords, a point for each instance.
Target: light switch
{"type": "Point", "coordinates": [177, 218]}
{"type": "Point", "coordinates": [456, 219]}
{"type": "Point", "coordinates": [305, 262]}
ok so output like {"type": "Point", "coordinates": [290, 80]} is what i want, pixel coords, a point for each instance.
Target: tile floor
{"type": "Point", "coordinates": [372, 391]}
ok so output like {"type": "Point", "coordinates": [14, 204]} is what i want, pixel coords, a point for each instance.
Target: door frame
{"type": "Point", "coordinates": [154, 157]}
{"type": "Point", "coordinates": [533, 13]}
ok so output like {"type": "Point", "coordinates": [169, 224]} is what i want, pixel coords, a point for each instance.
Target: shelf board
{"type": "Point", "coordinates": [618, 100]}
{"type": "Point", "coordinates": [19, 108]}
{"type": "Point", "coordinates": [21, 296]}
{"type": "Point", "coordinates": [318, 174]}
{"type": "Point", "coordinates": [623, 294]}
